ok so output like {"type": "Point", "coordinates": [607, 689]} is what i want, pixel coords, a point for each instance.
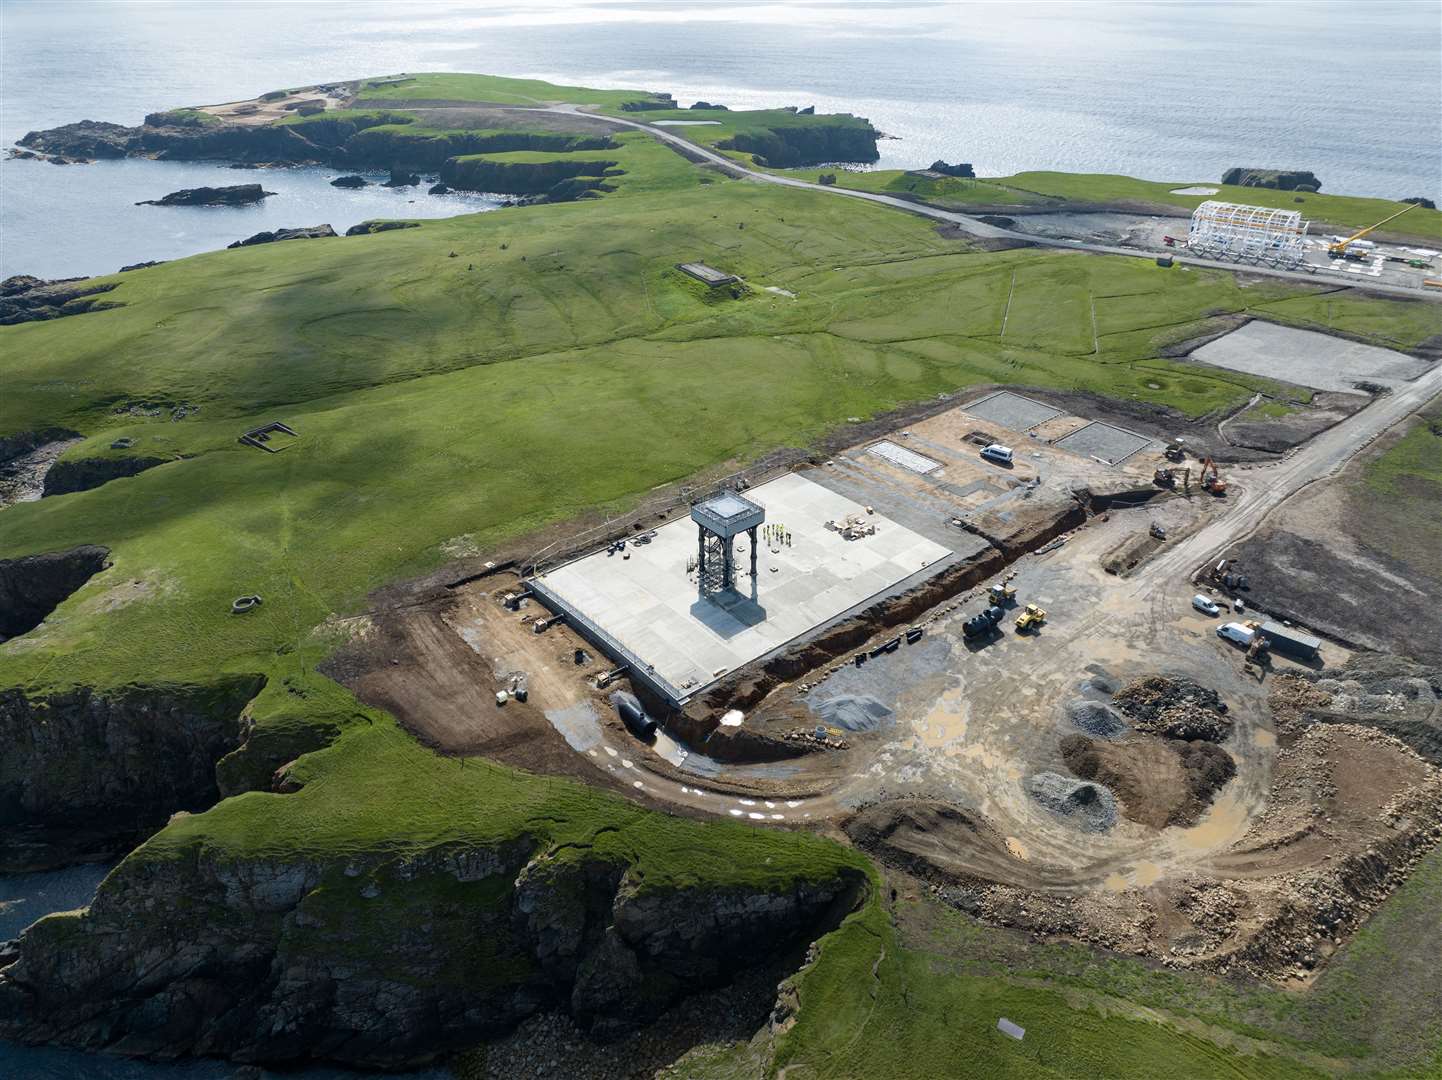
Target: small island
{"type": "Point", "coordinates": [235, 195]}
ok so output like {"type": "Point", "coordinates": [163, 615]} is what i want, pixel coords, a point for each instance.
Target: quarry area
{"type": "Point", "coordinates": [998, 672]}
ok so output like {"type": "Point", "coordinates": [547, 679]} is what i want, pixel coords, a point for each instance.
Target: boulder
{"type": "Point", "coordinates": [305, 232]}
{"type": "Point", "coordinates": [234, 195]}
{"type": "Point", "coordinates": [365, 228]}
{"type": "Point", "coordinates": [142, 265]}
{"type": "Point", "coordinates": [1281, 179]}
{"type": "Point", "coordinates": [349, 182]}
{"type": "Point", "coordinates": [401, 178]}
{"type": "Point", "coordinates": [961, 169]}
{"type": "Point", "coordinates": [24, 298]}
{"type": "Point", "coordinates": [708, 105]}
{"type": "Point", "coordinates": [438, 189]}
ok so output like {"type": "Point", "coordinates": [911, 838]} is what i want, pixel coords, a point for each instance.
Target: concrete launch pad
{"type": "Point", "coordinates": [647, 611]}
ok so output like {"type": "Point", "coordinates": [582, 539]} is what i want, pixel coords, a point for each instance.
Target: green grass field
{"type": "Point", "coordinates": [1397, 500]}
{"type": "Point", "coordinates": [494, 89]}
{"type": "Point", "coordinates": [492, 392]}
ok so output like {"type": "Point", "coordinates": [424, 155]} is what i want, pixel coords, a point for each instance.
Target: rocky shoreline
{"type": "Point", "coordinates": [386, 961]}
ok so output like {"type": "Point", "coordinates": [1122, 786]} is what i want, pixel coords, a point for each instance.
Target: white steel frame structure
{"type": "Point", "coordinates": [1221, 230]}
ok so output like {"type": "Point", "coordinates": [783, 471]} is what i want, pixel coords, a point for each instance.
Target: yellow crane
{"type": "Point", "coordinates": [1338, 250]}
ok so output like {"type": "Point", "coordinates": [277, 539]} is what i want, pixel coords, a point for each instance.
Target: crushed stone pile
{"type": "Point", "coordinates": [1176, 708]}
{"type": "Point", "coordinates": [1096, 718]}
{"type": "Point", "coordinates": [1089, 806]}
{"type": "Point", "coordinates": [1388, 694]}
{"type": "Point", "coordinates": [853, 712]}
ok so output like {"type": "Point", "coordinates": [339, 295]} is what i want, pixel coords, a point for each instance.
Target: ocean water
{"type": "Point", "coordinates": [1169, 91]}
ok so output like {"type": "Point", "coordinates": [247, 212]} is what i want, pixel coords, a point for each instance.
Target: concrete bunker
{"type": "Point", "coordinates": [707, 275]}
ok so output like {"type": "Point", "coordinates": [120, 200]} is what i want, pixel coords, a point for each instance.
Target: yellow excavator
{"type": "Point", "coordinates": [1342, 249]}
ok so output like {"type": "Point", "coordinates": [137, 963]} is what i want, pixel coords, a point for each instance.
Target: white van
{"type": "Point", "coordinates": [1236, 633]}
{"type": "Point", "coordinates": [998, 453]}
{"type": "Point", "coordinates": [1205, 606]}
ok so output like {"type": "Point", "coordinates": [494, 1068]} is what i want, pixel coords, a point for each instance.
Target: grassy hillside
{"type": "Point", "coordinates": [487, 393]}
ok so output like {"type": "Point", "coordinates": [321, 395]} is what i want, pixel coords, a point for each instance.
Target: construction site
{"type": "Point", "coordinates": [1250, 235]}
{"type": "Point", "coordinates": [1001, 647]}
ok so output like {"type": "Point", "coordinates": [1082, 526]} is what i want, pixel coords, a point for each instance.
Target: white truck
{"type": "Point", "coordinates": [1236, 633]}
{"type": "Point", "coordinates": [1002, 455]}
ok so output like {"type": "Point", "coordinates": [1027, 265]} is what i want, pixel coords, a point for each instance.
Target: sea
{"type": "Point", "coordinates": [1166, 91]}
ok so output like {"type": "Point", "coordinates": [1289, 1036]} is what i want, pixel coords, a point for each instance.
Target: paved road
{"type": "Point", "coordinates": [980, 228]}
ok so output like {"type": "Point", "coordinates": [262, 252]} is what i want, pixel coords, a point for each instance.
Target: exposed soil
{"type": "Point", "coordinates": [1362, 570]}
{"type": "Point", "coordinates": [412, 663]}
{"type": "Point", "coordinates": [1280, 433]}
{"type": "Point", "coordinates": [1398, 697]}
{"type": "Point", "coordinates": [1348, 813]}
{"type": "Point", "coordinates": [1159, 782]}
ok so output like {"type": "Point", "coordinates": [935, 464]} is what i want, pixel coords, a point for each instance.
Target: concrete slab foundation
{"type": "Point", "coordinates": [647, 612]}
{"type": "Point", "coordinates": [1307, 358]}
{"type": "Point", "coordinates": [1111, 444]}
{"type": "Point", "coordinates": [1011, 410]}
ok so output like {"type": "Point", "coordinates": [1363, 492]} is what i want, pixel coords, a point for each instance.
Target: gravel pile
{"type": "Point", "coordinates": [1089, 806]}
{"type": "Point", "coordinates": [1175, 708]}
{"type": "Point", "coordinates": [1096, 719]}
{"type": "Point", "coordinates": [853, 712]}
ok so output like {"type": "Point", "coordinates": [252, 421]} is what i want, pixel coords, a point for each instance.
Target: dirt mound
{"type": "Point", "coordinates": [1176, 708]}
{"type": "Point", "coordinates": [852, 712]}
{"type": "Point", "coordinates": [1097, 718]}
{"type": "Point", "coordinates": [1090, 806]}
{"type": "Point", "coordinates": [934, 840]}
{"type": "Point", "coordinates": [1159, 782]}
{"type": "Point", "coordinates": [1390, 694]}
